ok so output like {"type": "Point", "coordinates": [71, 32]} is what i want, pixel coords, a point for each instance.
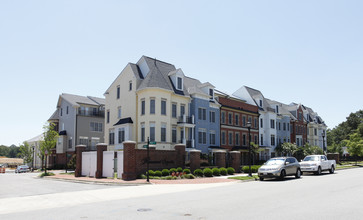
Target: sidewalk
{"type": "Point", "coordinates": [109, 181]}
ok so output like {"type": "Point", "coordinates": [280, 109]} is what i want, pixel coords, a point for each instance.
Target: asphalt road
{"type": "Point", "coordinates": [336, 196]}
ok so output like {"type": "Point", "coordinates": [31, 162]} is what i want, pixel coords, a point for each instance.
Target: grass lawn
{"type": "Point", "coordinates": [244, 177]}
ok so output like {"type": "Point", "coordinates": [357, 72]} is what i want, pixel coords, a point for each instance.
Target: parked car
{"type": "Point", "coordinates": [317, 164]}
{"type": "Point", "coordinates": [22, 169]}
{"type": "Point", "coordinates": [279, 167]}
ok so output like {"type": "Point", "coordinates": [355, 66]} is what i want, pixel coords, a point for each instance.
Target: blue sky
{"type": "Point", "coordinates": [307, 52]}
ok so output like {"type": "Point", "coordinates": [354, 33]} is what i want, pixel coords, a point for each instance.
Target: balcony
{"type": "Point", "coordinates": [186, 121]}
{"type": "Point", "coordinates": [91, 113]}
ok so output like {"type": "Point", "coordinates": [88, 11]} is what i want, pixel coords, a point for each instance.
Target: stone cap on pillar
{"type": "Point", "coordinates": [81, 145]}
{"type": "Point", "coordinates": [234, 152]}
{"type": "Point", "coordinates": [219, 151]}
{"type": "Point", "coordinates": [101, 144]}
{"type": "Point", "coordinates": [194, 150]}
{"type": "Point", "coordinates": [129, 142]}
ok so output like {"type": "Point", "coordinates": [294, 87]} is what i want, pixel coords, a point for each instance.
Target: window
{"type": "Point", "coordinates": [284, 126]}
{"type": "Point", "coordinates": [130, 85]}
{"type": "Point", "coordinates": [261, 140]}
{"type": "Point", "coordinates": [173, 110]}
{"type": "Point", "coordinates": [256, 139]}
{"type": "Point", "coordinates": [202, 136]}
{"type": "Point", "coordinates": [70, 143]}
{"type": "Point", "coordinates": [211, 93]}
{"type": "Point", "coordinates": [230, 118]}
{"type": "Point", "coordinates": [163, 107]}
{"type": "Point", "coordinates": [180, 83]}
{"type": "Point", "coordinates": [279, 125]}
{"type": "Point", "coordinates": [244, 140]}
{"type": "Point", "coordinates": [212, 116]}
{"type": "Point", "coordinates": [67, 110]}
{"type": "Point", "coordinates": [315, 131]}
{"type": "Point", "coordinates": [243, 121]}
{"type": "Point", "coordinates": [261, 122]}
{"type": "Point", "coordinates": [111, 137]}
{"type": "Point", "coordinates": [223, 117]}
{"type": "Point", "coordinates": [181, 135]}
{"type": "Point", "coordinates": [256, 125]}
{"type": "Point", "coordinates": [152, 132]}
{"type": "Point", "coordinates": [236, 119]}
{"type": "Point", "coordinates": [182, 110]}
{"type": "Point", "coordinates": [152, 106]}
{"type": "Point", "coordinates": [237, 139]}
{"type": "Point", "coordinates": [108, 116]}
{"type": "Point", "coordinates": [277, 109]}
{"type": "Point", "coordinates": [249, 119]}
{"type": "Point", "coordinates": [121, 135]}
{"type": "Point", "coordinates": [230, 138]}
{"type": "Point", "coordinates": [96, 126]}
{"type": "Point", "coordinates": [272, 140]}
{"type": "Point", "coordinates": [212, 137]}
{"type": "Point", "coordinates": [61, 113]}
{"type": "Point", "coordinates": [142, 107]}
{"type": "Point", "coordinates": [119, 112]}
{"type": "Point", "coordinates": [118, 92]}
{"type": "Point", "coordinates": [202, 114]}
{"type": "Point", "coordinates": [142, 132]}
{"type": "Point", "coordinates": [173, 134]}
{"type": "Point", "coordinates": [272, 123]}
{"type": "Point", "coordinates": [163, 133]}
{"type": "Point", "coordinates": [83, 140]}
{"type": "Point", "coordinates": [261, 103]}
{"type": "Point", "coordinates": [223, 138]}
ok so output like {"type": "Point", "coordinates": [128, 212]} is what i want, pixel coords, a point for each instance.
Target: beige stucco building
{"type": "Point", "coordinates": [148, 100]}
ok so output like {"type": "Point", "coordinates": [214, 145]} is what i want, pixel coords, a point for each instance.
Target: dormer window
{"type": "Point", "coordinates": [260, 103]}
{"type": "Point", "coordinates": [179, 83]}
{"type": "Point", "coordinates": [277, 109]}
{"type": "Point", "coordinates": [211, 93]}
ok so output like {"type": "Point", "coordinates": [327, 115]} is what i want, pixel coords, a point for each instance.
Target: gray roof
{"type": "Point", "coordinates": [254, 93]}
{"type": "Point", "coordinates": [55, 116]}
{"type": "Point", "coordinates": [76, 100]}
{"type": "Point", "coordinates": [158, 75]}
{"type": "Point", "coordinates": [37, 138]}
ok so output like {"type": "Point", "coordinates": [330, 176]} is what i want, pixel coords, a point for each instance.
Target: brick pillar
{"type": "Point", "coordinates": [194, 160]}
{"type": "Point", "coordinates": [79, 150]}
{"type": "Point", "coordinates": [129, 161]}
{"type": "Point", "coordinates": [220, 158]}
{"type": "Point", "coordinates": [100, 148]}
{"type": "Point", "coordinates": [180, 155]}
{"type": "Point", "coordinates": [235, 160]}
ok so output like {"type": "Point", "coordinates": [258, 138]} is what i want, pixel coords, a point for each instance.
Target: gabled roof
{"type": "Point", "coordinates": [55, 116]}
{"type": "Point", "coordinates": [158, 76]}
{"type": "Point", "coordinates": [254, 93]}
{"type": "Point", "coordinates": [76, 100]}
{"type": "Point", "coordinates": [127, 120]}
{"type": "Point", "coordinates": [36, 138]}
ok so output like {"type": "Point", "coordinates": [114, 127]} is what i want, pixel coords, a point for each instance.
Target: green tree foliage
{"type": "Point", "coordinates": [355, 145]}
{"type": "Point", "coordinates": [4, 151]}
{"type": "Point", "coordinates": [286, 149]}
{"type": "Point", "coordinates": [49, 142]}
{"type": "Point", "coordinates": [26, 152]}
{"type": "Point", "coordinates": [13, 151]}
{"type": "Point", "coordinates": [335, 148]}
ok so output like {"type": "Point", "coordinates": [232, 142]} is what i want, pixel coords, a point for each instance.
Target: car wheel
{"type": "Point", "coordinates": [282, 175]}
{"type": "Point", "coordinates": [319, 171]}
{"type": "Point", "coordinates": [261, 178]}
{"type": "Point", "coordinates": [298, 173]}
{"type": "Point", "coordinates": [331, 170]}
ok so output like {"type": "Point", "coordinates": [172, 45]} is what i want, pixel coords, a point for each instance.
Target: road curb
{"type": "Point", "coordinates": [93, 182]}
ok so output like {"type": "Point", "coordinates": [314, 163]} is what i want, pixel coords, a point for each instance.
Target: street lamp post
{"type": "Point", "coordinates": [33, 157]}
{"type": "Point", "coordinates": [323, 135]}
{"type": "Point", "coordinates": [148, 160]}
{"type": "Point", "coordinates": [249, 146]}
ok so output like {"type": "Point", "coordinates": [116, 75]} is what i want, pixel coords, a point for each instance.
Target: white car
{"type": "Point", "coordinates": [317, 164]}
{"type": "Point", "coordinates": [22, 169]}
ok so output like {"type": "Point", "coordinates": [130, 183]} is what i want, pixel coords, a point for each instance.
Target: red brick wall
{"type": "Point", "coordinates": [237, 104]}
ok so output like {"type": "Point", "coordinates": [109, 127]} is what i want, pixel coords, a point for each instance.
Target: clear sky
{"type": "Point", "coordinates": [308, 52]}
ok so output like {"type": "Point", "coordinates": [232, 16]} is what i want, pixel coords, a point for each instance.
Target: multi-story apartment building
{"type": "Point", "coordinates": [267, 119]}
{"type": "Point", "coordinates": [316, 128]}
{"type": "Point", "coordinates": [205, 110]}
{"type": "Point", "coordinates": [149, 99]}
{"type": "Point", "coordinates": [235, 114]}
{"type": "Point", "coordinates": [79, 120]}
{"type": "Point", "coordinates": [298, 124]}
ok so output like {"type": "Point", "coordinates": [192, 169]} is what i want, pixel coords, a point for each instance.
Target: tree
{"type": "Point", "coordinates": [4, 150]}
{"type": "Point", "coordinates": [13, 151]}
{"type": "Point", "coordinates": [48, 143]}
{"type": "Point", "coordinates": [286, 149]}
{"type": "Point", "coordinates": [355, 146]}
{"type": "Point", "coordinates": [255, 150]}
{"type": "Point", "coordinates": [26, 153]}
{"type": "Point", "coordinates": [336, 148]}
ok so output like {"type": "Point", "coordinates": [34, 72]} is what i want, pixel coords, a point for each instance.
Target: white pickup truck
{"type": "Point", "coordinates": [317, 164]}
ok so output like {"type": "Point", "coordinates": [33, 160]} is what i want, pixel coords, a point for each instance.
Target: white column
{"type": "Point", "coordinates": [193, 135]}
{"type": "Point", "coordinates": [184, 140]}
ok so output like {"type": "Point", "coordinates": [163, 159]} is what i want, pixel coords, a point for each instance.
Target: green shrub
{"type": "Point", "coordinates": [46, 174]}
{"type": "Point", "coordinates": [169, 177]}
{"type": "Point", "coordinates": [198, 172]}
{"type": "Point", "coordinates": [172, 170]}
{"type": "Point", "coordinates": [165, 172]}
{"type": "Point", "coordinates": [142, 176]}
{"type": "Point", "coordinates": [158, 173]}
{"type": "Point", "coordinates": [179, 169]}
{"type": "Point", "coordinates": [188, 176]}
{"type": "Point", "coordinates": [230, 170]}
{"type": "Point", "coordinates": [207, 172]}
{"type": "Point", "coordinates": [254, 168]}
{"type": "Point", "coordinates": [223, 171]}
{"type": "Point", "coordinates": [187, 171]}
{"type": "Point", "coordinates": [151, 173]}
{"type": "Point", "coordinates": [216, 172]}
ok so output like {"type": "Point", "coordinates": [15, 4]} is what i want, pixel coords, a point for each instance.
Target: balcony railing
{"type": "Point", "coordinates": [91, 113]}
{"type": "Point", "coordinates": [186, 119]}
